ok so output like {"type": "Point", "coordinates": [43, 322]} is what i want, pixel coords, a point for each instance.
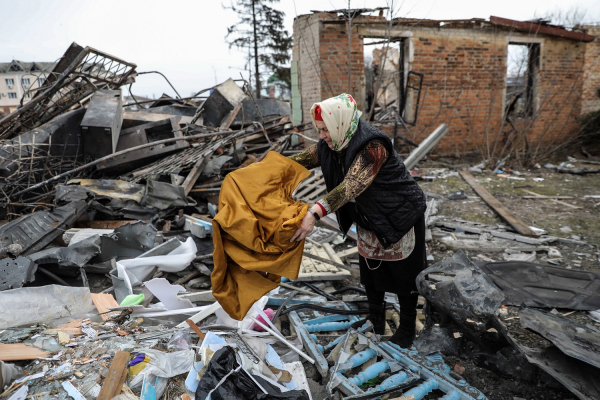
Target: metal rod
{"type": "Point", "coordinates": [53, 276]}
{"type": "Point", "coordinates": [118, 153]}
{"type": "Point", "coordinates": [304, 136]}
{"type": "Point", "coordinates": [282, 307]}
{"type": "Point", "coordinates": [285, 285]}
{"type": "Point", "coordinates": [288, 344]}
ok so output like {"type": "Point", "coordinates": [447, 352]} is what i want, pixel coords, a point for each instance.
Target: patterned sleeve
{"type": "Point", "coordinates": [365, 167]}
{"type": "Point", "coordinates": [309, 158]}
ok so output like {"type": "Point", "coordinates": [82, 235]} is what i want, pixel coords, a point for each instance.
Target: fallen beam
{"type": "Point", "coordinates": [502, 211]}
{"type": "Point", "coordinates": [425, 147]}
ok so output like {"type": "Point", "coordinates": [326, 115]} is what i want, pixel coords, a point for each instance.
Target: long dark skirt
{"type": "Point", "coordinates": [397, 276]}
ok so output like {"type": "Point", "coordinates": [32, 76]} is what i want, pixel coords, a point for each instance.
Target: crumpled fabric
{"type": "Point", "coordinates": [252, 230]}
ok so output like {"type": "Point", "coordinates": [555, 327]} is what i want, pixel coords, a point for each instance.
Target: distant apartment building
{"type": "Point", "coordinates": [18, 80]}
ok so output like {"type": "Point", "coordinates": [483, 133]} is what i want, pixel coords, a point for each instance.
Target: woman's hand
{"type": "Point", "coordinates": [308, 223]}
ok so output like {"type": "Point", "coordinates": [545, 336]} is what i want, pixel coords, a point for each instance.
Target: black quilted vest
{"type": "Point", "coordinates": [391, 205]}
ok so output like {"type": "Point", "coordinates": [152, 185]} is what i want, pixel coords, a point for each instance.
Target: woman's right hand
{"type": "Point", "coordinates": [308, 224]}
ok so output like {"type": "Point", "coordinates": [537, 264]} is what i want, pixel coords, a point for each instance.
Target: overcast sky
{"type": "Point", "coordinates": [185, 40]}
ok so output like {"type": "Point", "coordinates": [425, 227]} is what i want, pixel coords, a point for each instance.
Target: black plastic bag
{"type": "Point", "coordinates": [238, 385]}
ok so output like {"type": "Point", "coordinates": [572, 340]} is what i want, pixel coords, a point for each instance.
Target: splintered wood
{"type": "Point", "coordinates": [102, 301]}
{"type": "Point", "coordinates": [116, 376]}
{"type": "Point", "coordinates": [20, 351]}
{"type": "Point", "coordinates": [314, 270]}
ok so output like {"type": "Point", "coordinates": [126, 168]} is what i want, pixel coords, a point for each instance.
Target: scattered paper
{"type": "Point", "coordinates": [167, 294]}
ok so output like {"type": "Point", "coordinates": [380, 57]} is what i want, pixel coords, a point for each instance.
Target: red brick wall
{"type": "Point", "coordinates": [306, 51]}
{"type": "Point", "coordinates": [591, 74]}
{"type": "Point", "coordinates": [464, 83]}
{"type": "Point", "coordinates": [463, 86]}
{"type": "Point", "coordinates": [338, 67]}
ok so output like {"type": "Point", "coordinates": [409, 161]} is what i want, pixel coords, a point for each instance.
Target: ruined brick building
{"type": "Point", "coordinates": [455, 72]}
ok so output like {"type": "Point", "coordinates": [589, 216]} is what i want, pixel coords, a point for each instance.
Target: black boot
{"type": "Point", "coordinates": [376, 316]}
{"type": "Point", "coordinates": [376, 310]}
{"type": "Point", "coordinates": [405, 334]}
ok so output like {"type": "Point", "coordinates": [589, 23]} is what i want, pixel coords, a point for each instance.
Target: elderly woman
{"type": "Point", "coordinates": [368, 185]}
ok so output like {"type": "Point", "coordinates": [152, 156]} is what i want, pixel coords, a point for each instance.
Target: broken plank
{"type": "Point", "coordinates": [486, 196]}
{"type": "Point", "coordinates": [331, 254]}
{"type": "Point", "coordinates": [195, 328]}
{"type": "Point", "coordinates": [102, 301]}
{"type": "Point", "coordinates": [71, 327]}
{"type": "Point", "coordinates": [20, 351]}
{"type": "Point", "coordinates": [564, 204]}
{"type": "Point", "coordinates": [318, 266]}
{"type": "Point", "coordinates": [325, 260]}
{"type": "Point", "coordinates": [194, 174]}
{"type": "Point", "coordinates": [551, 198]}
{"type": "Point", "coordinates": [228, 120]}
{"type": "Point", "coordinates": [113, 380]}
{"type": "Point", "coordinates": [348, 253]}
{"type": "Point", "coordinates": [540, 197]}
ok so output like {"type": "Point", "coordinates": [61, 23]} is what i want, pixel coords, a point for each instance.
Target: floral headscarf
{"type": "Point", "coordinates": [341, 117]}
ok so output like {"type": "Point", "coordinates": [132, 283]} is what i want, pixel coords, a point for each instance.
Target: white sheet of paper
{"type": "Point", "coordinates": [167, 294]}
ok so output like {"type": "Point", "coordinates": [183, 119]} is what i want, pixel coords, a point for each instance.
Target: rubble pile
{"type": "Point", "coordinates": [106, 261]}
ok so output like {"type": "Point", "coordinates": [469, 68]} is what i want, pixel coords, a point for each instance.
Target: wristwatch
{"type": "Point", "coordinates": [316, 215]}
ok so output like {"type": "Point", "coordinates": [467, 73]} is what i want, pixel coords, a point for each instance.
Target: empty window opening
{"type": "Point", "coordinates": [522, 76]}
{"type": "Point", "coordinates": [385, 74]}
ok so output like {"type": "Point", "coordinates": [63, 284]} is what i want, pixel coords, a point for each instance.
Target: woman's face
{"type": "Point", "coordinates": [324, 133]}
